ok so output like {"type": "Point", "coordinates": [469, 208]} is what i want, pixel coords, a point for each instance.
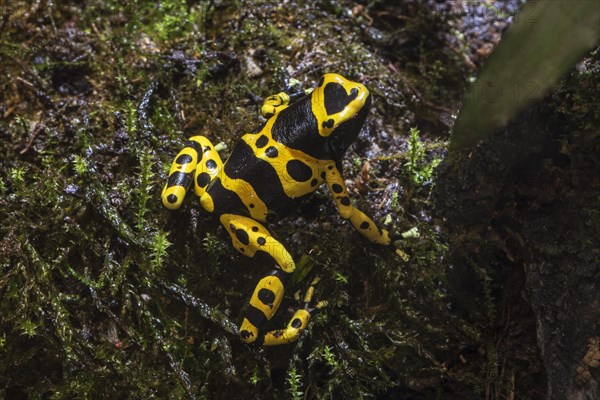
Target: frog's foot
{"type": "Point", "coordinates": [411, 233]}
{"type": "Point", "coordinates": [367, 227]}
{"type": "Point", "coordinates": [279, 101]}
{"type": "Point", "coordinates": [298, 322]}
{"type": "Point", "coordinates": [397, 238]}
{"type": "Point", "coordinates": [274, 104]}
{"type": "Point", "coordinates": [359, 220]}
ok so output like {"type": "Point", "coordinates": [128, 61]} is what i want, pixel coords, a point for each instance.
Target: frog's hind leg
{"type": "Point", "coordinates": [248, 237]}
{"type": "Point", "coordinates": [264, 303]}
{"type": "Point", "coordinates": [262, 306]}
{"type": "Point", "coordinates": [197, 162]}
{"type": "Point", "coordinates": [298, 322]}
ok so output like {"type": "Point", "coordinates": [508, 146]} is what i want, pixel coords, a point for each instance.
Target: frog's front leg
{"type": "Point", "coordinates": [274, 103]}
{"type": "Point", "coordinates": [361, 222]}
{"type": "Point", "coordinates": [248, 237]}
{"type": "Point", "coordinates": [197, 162]}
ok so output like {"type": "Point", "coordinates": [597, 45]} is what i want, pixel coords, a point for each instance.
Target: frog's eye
{"type": "Point", "coordinates": [336, 147]}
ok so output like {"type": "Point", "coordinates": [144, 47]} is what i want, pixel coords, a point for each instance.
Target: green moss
{"type": "Point", "coordinates": [104, 293]}
{"type": "Point", "coordinates": [419, 169]}
{"type": "Point", "coordinates": [294, 381]}
{"type": "Point", "coordinates": [145, 190]}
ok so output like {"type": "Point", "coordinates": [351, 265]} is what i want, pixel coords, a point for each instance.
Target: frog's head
{"type": "Point", "coordinates": [341, 107]}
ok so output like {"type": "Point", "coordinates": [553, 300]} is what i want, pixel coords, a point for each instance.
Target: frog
{"type": "Point", "coordinates": [269, 172]}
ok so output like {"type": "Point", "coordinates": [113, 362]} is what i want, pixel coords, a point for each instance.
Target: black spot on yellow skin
{"type": "Point", "coordinates": [184, 159]}
{"type": "Point", "coordinates": [266, 297]}
{"type": "Point", "coordinates": [328, 124]}
{"type": "Point", "coordinates": [179, 179]}
{"type": "Point", "coordinates": [203, 179]}
{"type": "Point", "coordinates": [254, 186]}
{"type": "Point", "coordinates": [246, 334]}
{"type": "Point", "coordinates": [298, 170]}
{"type": "Point", "coordinates": [242, 236]}
{"type": "Point", "coordinates": [211, 164]}
{"type": "Point", "coordinates": [271, 152]}
{"type": "Point", "coordinates": [261, 141]}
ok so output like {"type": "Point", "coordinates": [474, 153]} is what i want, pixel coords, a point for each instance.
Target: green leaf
{"type": "Point", "coordinates": [547, 38]}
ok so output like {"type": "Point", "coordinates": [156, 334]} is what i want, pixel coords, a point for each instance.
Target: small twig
{"type": "Point", "coordinates": [38, 128]}
{"type": "Point", "coordinates": [34, 130]}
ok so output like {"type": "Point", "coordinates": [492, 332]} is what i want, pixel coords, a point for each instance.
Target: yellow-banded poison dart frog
{"type": "Point", "coordinates": [268, 172]}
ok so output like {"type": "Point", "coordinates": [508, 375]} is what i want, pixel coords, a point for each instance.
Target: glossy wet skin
{"type": "Point", "coordinates": [298, 149]}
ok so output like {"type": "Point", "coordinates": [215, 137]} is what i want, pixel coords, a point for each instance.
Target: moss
{"type": "Point", "coordinates": [104, 293]}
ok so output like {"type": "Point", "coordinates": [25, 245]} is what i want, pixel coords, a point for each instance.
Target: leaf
{"type": "Point", "coordinates": [546, 39]}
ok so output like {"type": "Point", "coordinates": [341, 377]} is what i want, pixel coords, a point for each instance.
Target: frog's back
{"type": "Point", "coordinates": [270, 170]}
{"type": "Point", "coordinates": [256, 179]}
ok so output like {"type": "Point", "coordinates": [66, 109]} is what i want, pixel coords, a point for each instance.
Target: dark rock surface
{"type": "Point", "coordinates": [529, 196]}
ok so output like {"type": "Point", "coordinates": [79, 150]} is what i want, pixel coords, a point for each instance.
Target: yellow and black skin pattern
{"type": "Point", "coordinates": [268, 172]}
